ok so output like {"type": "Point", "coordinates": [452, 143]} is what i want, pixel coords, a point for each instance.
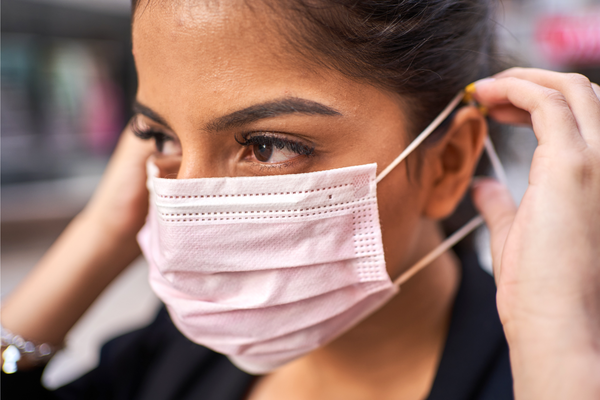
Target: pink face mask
{"type": "Point", "coordinates": [266, 269]}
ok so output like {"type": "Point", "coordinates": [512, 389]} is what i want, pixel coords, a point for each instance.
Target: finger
{"type": "Point", "coordinates": [552, 119]}
{"type": "Point", "coordinates": [509, 114]}
{"type": "Point", "coordinates": [578, 92]}
{"type": "Point", "coordinates": [129, 157]}
{"type": "Point", "coordinates": [134, 149]}
{"type": "Point", "coordinates": [494, 202]}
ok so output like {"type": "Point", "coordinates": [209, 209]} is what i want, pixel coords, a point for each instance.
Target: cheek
{"type": "Point", "coordinates": [399, 214]}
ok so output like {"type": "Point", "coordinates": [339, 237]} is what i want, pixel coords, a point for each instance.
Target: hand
{"type": "Point", "coordinates": [120, 203]}
{"type": "Point", "coordinates": [546, 253]}
{"type": "Point", "coordinates": [96, 246]}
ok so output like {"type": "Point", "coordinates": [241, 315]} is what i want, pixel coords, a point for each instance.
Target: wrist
{"type": "Point", "coordinates": [553, 375]}
{"type": "Point", "coordinates": [21, 354]}
{"type": "Point", "coordinates": [70, 276]}
{"type": "Point", "coordinates": [561, 360]}
{"type": "Point", "coordinates": [572, 336]}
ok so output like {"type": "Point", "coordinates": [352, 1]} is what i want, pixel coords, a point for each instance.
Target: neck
{"type": "Point", "coordinates": [395, 352]}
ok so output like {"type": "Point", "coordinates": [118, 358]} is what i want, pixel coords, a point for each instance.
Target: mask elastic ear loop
{"type": "Point", "coordinates": [423, 135]}
{"type": "Point", "coordinates": [442, 248]}
{"type": "Point", "coordinates": [495, 161]}
{"type": "Point", "coordinates": [462, 232]}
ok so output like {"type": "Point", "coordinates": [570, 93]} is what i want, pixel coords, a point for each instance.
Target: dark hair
{"type": "Point", "coordinates": [423, 50]}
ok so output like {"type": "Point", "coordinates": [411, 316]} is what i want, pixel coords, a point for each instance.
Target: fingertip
{"type": "Point", "coordinates": [486, 190]}
{"type": "Point", "coordinates": [479, 182]}
{"type": "Point", "coordinates": [474, 89]}
{"type": "Point", "coordinates": [482, 83]}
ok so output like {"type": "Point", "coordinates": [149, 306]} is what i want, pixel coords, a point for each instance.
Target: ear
{"type": "Point", "coordinates": [451, 162]}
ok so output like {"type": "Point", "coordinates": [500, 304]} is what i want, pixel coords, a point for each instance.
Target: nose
{"type": "Point", "coordinates": [198, 157]}
{"type": "Point", "coordinates": [196, 166]}
{"type": "Point", "coordinates": [202, 159]}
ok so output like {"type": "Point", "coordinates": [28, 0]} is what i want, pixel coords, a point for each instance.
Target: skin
{"type": "Point", "coordinates": [198, 63]}
{"type": "Point", "coordinates": [370, 127]}
{"type": "Point", "coordinates": [546, 253]}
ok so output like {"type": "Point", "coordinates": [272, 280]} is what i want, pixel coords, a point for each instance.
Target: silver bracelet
{"type": "Point", "coordinates": [18, 348]}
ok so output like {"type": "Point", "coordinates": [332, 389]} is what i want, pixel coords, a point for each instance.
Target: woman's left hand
{"type": "Point", "coordinates": [546, 252]}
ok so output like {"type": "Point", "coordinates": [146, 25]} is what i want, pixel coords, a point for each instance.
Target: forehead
{"type": "Point", "coordinates": [206, 31]}
{"type": "Point", "coordinates": [221, 48]}
{"type": "Point", "coordinates": [199, 59]}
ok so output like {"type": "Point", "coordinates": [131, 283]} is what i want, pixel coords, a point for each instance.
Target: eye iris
{"type": "Point", "coordinates": [263, 152]}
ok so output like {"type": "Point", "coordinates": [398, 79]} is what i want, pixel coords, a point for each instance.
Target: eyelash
{"type": "Point", "coordinates": [277, 142]}
{"type": "Point", "coordinates": [246, 140]}
{"type": "Point", "coordinates": [147, 134]}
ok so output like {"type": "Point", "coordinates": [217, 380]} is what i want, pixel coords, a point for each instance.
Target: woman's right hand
{"type": "Point", "coordinates": [120, 203]}
{"type": "Point", "coordinates": [96, 246]}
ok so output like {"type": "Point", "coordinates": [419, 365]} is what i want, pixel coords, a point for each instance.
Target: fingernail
{"type": "Point", "coordinates": [479, 83]}
{"type": "Point", "coordinates": [473, 87]}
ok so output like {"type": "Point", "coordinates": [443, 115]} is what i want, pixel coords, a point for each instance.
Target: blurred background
{"type": "Point", "coordinates": [67, 81]}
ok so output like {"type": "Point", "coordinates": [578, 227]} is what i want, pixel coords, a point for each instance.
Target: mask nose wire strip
{"type": "Point", "coordinates": [434, 124]}
{"type": "Point", "coordinates": [445, 245]}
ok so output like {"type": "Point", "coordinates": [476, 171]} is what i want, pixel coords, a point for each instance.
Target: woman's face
{"type": "Point", "coordinates": [231, 99]}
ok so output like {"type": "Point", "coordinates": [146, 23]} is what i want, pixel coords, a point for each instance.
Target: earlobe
{"type": "Point", "coordinates": [453, 162]}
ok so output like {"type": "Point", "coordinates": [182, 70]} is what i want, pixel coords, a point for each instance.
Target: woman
{"type": "Point", "coordinates": [272, 90]}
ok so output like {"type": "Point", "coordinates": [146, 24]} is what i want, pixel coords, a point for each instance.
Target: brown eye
{"type": "Point", "coordinates": [263, 152]}
{"type": "Point", "coordinates": [274, 149]}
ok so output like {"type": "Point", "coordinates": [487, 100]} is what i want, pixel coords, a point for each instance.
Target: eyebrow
{"type": "Point", "coordinates": [250, 114]}
{"type": "Point", "coordinates": [270, 109]}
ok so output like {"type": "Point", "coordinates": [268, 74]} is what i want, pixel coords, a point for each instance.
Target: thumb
{"type": "Point", "coordinates": [494, 202]}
